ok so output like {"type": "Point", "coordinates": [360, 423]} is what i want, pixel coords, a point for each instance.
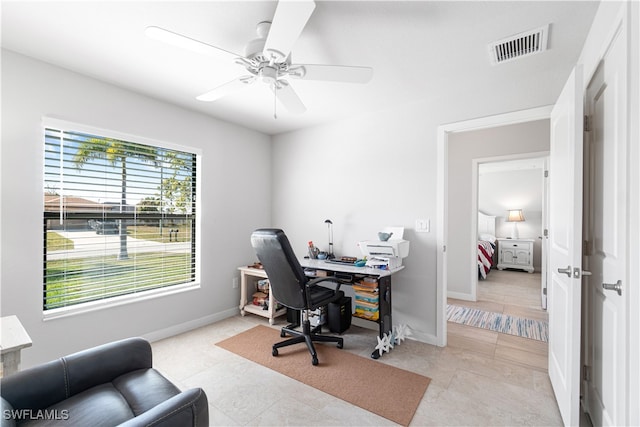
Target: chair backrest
{"type": "Point", "coordinates": [286, 276]}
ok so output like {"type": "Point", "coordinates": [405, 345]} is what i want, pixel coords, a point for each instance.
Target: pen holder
{"type": "Point", "coordinates": [313, 253]}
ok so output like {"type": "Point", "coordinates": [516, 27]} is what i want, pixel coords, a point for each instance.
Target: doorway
{"type": "Point", "coordinates": [444, 194]}
{"type": "Point", "coordinates": [505, 183]}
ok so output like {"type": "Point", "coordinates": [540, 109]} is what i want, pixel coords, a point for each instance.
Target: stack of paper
{"type": "Point", "coordinates": [367, 298]}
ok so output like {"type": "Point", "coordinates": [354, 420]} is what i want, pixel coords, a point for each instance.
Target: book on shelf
{"type": "Point", "coordinates": [367, 284]}
{"type": "Point", "coordinates": [357, 288]}
{"type": "Point", "coordinates": [370, 298]}
{"type": "Point", "coordinates": [366, 305]}
{"type": "Point", "coordinates": [369, 315]}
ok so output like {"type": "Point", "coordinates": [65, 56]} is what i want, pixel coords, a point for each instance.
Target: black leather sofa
{"type": "Point", "coordinates": [113, 384]}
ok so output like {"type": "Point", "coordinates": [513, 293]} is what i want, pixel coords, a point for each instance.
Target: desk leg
{"type": "Point", "coordinates": [271, 306]}
{"type": "Point", "coordinates": [243, 292]}
{"type": "Point", "coordinates": [385, 322]}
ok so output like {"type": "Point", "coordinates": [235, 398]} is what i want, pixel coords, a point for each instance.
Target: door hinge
{"type": "Point", "coordinates": [587, 122]}
{"type": "Point", "coordinates": [546, 174]}
{"type": "Point", "coordinates": [586, 373]}
{"type": "Point", "coordinates": [545, 232]}
{"type": "Point", "coordinates": [544, 291]}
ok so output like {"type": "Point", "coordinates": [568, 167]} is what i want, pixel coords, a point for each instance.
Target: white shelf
{"type": "Point", "coordinates": [250, 276]}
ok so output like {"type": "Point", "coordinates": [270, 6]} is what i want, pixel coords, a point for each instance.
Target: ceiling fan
{"type": "Point", "coordinates": [268, 57]}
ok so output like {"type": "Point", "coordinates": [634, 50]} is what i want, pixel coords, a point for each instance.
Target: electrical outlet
{"type": "Point", "coordinates": [423, 225]}
{"type": "Point", "coordinates": [235, 283]}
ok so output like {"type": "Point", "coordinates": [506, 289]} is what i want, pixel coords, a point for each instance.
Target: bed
{"type": "Point", "coordinates": [486, 243]}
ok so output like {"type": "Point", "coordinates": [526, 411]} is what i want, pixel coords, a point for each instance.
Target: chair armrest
{"type": "Point", "coordinates": [189, 408]}
{"type": "Point", "coordinates": [321, 299]}
{"type": "Point", "coordinates": [314, 282]}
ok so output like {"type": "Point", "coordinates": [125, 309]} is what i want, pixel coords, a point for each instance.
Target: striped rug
{"type": "Point", "coordinates": [498, 322]}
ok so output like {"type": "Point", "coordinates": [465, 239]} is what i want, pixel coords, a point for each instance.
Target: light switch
{"type": "Point", "coordinates": [422, 225]}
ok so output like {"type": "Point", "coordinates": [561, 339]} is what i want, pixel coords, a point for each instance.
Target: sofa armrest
{"type": "Point", "coordinates": [189, 408]}
{"type": "Point", "coordinates": [44, 385]}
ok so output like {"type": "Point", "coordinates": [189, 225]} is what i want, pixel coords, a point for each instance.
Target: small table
{"type": "Point", "coordinates": [515, 253]}
{"type": "Point", "coordinates": [251, 275]}
{"type": "Point", "coordinates": [14, 339]}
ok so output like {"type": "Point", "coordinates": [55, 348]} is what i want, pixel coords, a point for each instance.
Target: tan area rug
{"type": "Point", "coordinates": [390, 392]}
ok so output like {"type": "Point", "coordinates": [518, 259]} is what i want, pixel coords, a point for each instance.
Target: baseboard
{"type": "Point", "coordinates": [460, 295]}
{"type": "Point", "coordinates": [190, 325]}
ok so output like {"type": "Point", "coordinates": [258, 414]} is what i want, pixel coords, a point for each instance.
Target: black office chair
{"type": "Point", "coordinates": [293, 289]}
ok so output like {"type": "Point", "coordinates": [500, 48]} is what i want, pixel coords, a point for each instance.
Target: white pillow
{"type": "Point", "coordinates": [488, 237]}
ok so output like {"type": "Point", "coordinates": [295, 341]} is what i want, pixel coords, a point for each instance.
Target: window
{"type": "Point", "coordinates": [119, 219]}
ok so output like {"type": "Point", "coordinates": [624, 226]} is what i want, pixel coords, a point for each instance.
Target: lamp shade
{"type": "Point", "coordinates": [515, 215]}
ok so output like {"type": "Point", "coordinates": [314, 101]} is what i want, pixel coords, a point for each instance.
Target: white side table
{"type": "Point", "coordinates": [13, 338]}
{"type": "Point", "coordinates": [248, 277]}
{"type": "Point", "coordinates": [515, 253]}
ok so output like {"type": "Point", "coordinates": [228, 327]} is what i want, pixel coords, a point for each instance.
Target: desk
{"type": "Point", "coordinates": [351, 274]}
{"type": "Point", "coordinates": [347, 273]}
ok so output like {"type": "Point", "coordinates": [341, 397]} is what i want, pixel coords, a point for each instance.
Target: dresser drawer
{"type": "Point", "coordinates": [506, 244]}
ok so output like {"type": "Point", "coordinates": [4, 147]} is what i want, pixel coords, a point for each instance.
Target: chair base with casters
{"type": "Point", "coordinates": [293, 289]}
{"type": "Point", "coordinates": [307, 335]}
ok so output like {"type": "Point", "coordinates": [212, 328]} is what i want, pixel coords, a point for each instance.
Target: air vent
{"type": "Point", "coordinates": [519, 46]}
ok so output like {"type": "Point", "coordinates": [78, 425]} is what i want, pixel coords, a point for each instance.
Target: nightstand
{"type": "Point", "coordinates": [515, 253]}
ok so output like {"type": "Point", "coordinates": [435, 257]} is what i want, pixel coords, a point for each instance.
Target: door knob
{"type": "Point", "coordinates": [613, 286]}
{"type": "Point", "coordinates": [566, 271]}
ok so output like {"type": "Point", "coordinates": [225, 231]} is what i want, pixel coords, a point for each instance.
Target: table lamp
{"type": "Point", "coordinates": [515, 216]}
{"type": "Point", "coordinates": [330, 255]}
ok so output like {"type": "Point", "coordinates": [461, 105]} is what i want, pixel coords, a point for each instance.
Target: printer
{"type": "Point", "coordinates": [386, 254]}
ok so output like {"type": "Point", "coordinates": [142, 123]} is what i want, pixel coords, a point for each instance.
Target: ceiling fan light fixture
{"type": "Point", "coordinates": [269, 74]}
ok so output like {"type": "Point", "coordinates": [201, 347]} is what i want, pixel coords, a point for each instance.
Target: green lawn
{"type": "Point", "coordinates": [157, 234]}
{"type": "Point", "coordinates": [56, 242]}
{"type": "Point", "coordinates": [77, 280]}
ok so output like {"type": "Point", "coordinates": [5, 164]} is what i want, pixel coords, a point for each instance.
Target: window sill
{"type": "Point", "coordinates": [88, 307]}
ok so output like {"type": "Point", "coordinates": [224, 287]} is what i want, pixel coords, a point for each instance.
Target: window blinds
{"type": "Point", "coordinates": [119, 218]}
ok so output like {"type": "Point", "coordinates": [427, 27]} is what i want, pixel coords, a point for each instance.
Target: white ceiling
{"type": "Point", "coordinates": [418, 49]}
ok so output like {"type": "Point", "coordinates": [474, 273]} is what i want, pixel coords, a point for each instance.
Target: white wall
{"type": "Point", "coordinates": [373, 171]}
{"type": "Point", "coordinates": [235, 162]}
{"type": "Point", "coordinates": [464, 147]}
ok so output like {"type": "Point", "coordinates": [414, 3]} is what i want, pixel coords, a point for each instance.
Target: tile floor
{"type": "Point", "coordinates": [480, 378]}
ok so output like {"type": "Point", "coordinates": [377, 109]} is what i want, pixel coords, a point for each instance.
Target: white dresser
{"type": "Point", "coordinates": [515, 253]}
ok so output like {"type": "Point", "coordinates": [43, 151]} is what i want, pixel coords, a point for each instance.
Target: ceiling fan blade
{"type": "Point", "coordinates": [333, 73]}
{"type": "Point", "coordinates": [188, 43]}
{"type": "Point", "coordinates": [288, 97]}
{"type": "Point", "coordinates": [227, 88]}
{"type": "Point", "coordinates": [288, 22]}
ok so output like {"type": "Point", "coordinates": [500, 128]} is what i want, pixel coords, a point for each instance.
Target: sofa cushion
{"type": "Point", "coordinates": [101, 405]}
{"type": "Point", "coordinates": [145, 388]}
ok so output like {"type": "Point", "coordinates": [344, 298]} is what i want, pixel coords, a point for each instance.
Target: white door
{"type": "Point", "coordinates": [565, 254]}
{"type": "Point", "coordinates": [606, 239]}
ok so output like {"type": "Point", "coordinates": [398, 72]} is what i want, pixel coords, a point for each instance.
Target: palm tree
{"type": "Point", "coordinates": [115, 152]}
